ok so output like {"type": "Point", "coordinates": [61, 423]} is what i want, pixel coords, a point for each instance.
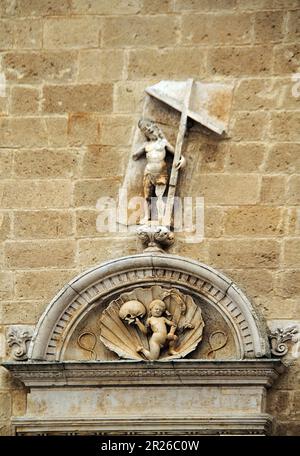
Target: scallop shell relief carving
{"type": "Point", "coordinates": [152, 323]}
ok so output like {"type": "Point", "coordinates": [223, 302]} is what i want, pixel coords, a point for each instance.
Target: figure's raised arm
{"type": "Point", "coordinates": [139, 152]}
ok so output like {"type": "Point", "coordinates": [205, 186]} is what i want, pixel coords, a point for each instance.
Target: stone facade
{"type": "Point", "coordinates": [72, 77]}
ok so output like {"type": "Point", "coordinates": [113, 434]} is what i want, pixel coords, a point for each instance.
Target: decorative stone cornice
{"type": "Point", "coordinates": [177, 372]}
{"type": "Point", "coordinates": [205, 425]}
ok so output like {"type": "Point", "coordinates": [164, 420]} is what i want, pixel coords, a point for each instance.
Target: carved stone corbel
{"type": "Point", "coordinates": [155, 238]}
{"type": "Point", "coordinates": [18, 338]}
{"type": "Point", "coordinates": [279, 337]}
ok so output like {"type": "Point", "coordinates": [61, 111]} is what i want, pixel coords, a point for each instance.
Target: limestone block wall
{"type": "Point", "coordinates": [72, 75]}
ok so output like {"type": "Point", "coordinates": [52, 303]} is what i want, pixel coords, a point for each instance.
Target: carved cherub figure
{"type": "Point", "coordinates": [158, 324]}
{"type": "Point", "coordinates": [155, 174]}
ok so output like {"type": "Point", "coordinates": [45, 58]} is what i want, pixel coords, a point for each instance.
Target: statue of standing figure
{"type": "Point", "coordinates": [155, 174]}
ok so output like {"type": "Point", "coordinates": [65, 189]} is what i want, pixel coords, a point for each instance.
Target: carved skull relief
{"type": "Point", "coordinates": [152, 323]}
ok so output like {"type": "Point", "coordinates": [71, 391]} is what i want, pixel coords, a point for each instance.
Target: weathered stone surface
{"type": "Point", "coordinates": [5, 226]}
{"type": "Point", "coordinates": [273, 189]}
{"type": "Point", "coordinates": [287, 284]}
{"type": "Point", "coordinates": [35, 194]}
{"type": "Point", "coordinates": [23, 132]}
{"type": "Point", "coordinates": [293, 30]}
{"type": "Point", "coordinates": [106, 8]}
{"type": "Point", "coordinates": [39, 254]}
{"type": "Point", "coordinates": [240, 61]}
{"type": "Point", "coordinates": [46, 163]}
{"type": "Point", "coordinates": [5, 406]}
{"type": "Point", "coordinates": [215, 29]}
{"type": "Point", "coordinates": [291, 253]}
{"type": "Point", "coordinates": [169, 63]}
{"type": "Point", "coordinates": [268, 26]}
{"type": "Point", "coordinates": [153, 6]}
{"type": "Point", "coordinates": [159, 30]}
{"type": "Point", "coordinates": [122, 126]}
{"type": "Point", "coordinates": [4, 105]}
{"type": "Point", "coordinates": [21, 312]}
{"type": "Point", "coordinates": [6, 34]}
{"type": "Point", "coordinates": [213, 222]}
{"type": "Point", "coordinates": [41, 284]}
{"type": "Point", "coordinates": [211, 156]}
{"type": "Point", "coordinates": [293, 193]}
{"type": "Point", "coordinates": [104, 160]}
{"type": "Point", "coordinates": [253, 94]}
{"type": "Point", "coordinates": [88, 191]}
{"type": "Point", "coordinates": [267, 4]}
{"type": "Point", "coordinates": [100, 65]}
{"type": "Point", "coordinates": [5, 429]}
{"type": "Point", "coordinates": [86, 222]}
{"type": "Point", "coordinates": [40, 8]}
{"type": "Point", "coordinates": [287, 427]}
{"type": "Point", "coordinates": [57, 128]}
{"type": "Point", "coordinates": [6, 285]}
{"type": "Point", "coordinates": [249, 126]}
{"type": "Point", "coordinates": [19, 402]}
{"type": "Point", "coordinates": [244, 253]}
{"type": "Point", "coordinates": [28, 34]}
{"type": "Point", "coordinates": [240, 189]}
{"type": "Point", "coordinates": [33, 67]}
{"type": "Point", "coordinates": [284, 126]}
{"type": "Point", "coordinates": [83, 128]}
{"type": "Point", "coordinates": [85, 97]}
{"type": "Point", "coordinates": [293, 221]}
{"type": "Point", "coordinates": [206, 5]}
{"type": "Point", "coordinates": [286, 58]}
{"type": "Point", "coordinates": [5, 163]}
{"type": "Point", "coordinates": [245, 157]}
{"type": "Point", "coordinates": [254, 220]}
{"type": "Point", "coordinates": [94, 251]}
{"type": "Point", "coordinates": [129, 96]}
{"type": "Point", "coordinates": [24, 100]}
{"type": "Point", "coordinates": [43, 224]}
{"type": "Point", "coordinates": [74, 32]}
{"type": "Point", "coordinates": [283, 157]}
{"type": "Point", "coordinates": [251, 282]}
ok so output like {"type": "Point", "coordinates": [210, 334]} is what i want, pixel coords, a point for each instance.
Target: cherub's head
{"type": "Point", "coordinates": [150, 129]}
{"type": "Point", "coordinates": [157, 308]}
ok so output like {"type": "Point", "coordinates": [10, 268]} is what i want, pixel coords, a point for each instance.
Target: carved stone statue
{"type": "Point", "coordinates": [155, 174]}
{"type": "Point", "coordinates": [152, 323]}
{"type": "Point", "coordinates": [159, 328]}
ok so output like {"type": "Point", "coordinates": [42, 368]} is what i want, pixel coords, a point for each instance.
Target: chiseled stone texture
{"type": "Point", "coordinates": [75, 75]}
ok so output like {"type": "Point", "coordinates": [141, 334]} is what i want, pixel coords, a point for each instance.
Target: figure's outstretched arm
{"type": "Point", "coordinates": [138, 153]}
{"type": "Point", "coordinates": [170, 322]}
{"type": "Point", "coordinates": [170, 148]}
{"type": "Point", "coordinates": [181, 162]}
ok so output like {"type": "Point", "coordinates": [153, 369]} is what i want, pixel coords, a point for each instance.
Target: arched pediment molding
{"type": "Point", "coordinates": [102, 284]}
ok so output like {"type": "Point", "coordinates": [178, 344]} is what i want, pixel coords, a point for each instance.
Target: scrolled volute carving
{"type": "Point", "coordinates": [17, 340]}
{"type": "Point", "coordinates": [152, 323]}
{"type": "Point", "coordinates": [279, 337]}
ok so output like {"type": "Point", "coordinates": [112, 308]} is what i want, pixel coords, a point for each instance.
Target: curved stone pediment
{"type": "Point", "coordinates": [70, 328]}
{"type": "Point", "coordinates": [108, 347]}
